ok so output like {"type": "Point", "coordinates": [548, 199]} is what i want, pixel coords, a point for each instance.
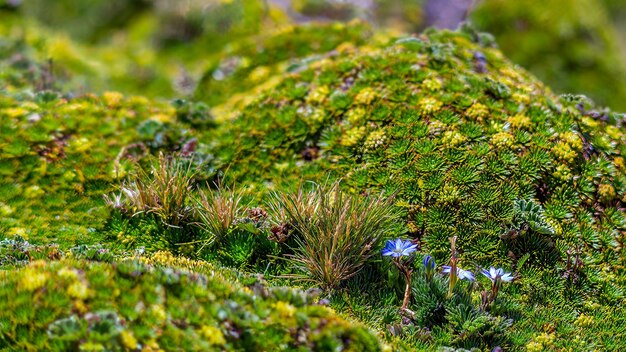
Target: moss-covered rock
{"type": "Point", "coordinates": [77, 305]}
{"type": "Point", "coordinates": [458, 132]}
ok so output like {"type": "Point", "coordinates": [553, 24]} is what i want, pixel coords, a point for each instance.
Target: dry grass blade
{"type": "Point", "coordinates": [335, 233]}
{"type": "Point", "coordinates": [217, 211]}
{"type": "Point", "coordinates": [163, 191]}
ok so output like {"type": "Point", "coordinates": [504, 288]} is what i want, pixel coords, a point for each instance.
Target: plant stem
{"type": "Point", "coordinates": [407, 290]}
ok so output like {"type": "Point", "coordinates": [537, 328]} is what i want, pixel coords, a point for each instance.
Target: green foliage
{"type": "Point", "coordinates": [576, 45]}
{"type": "Point", "coordinates": [344, 232]}
{"type": "Point", "coordinates": [451, 126]}
{"type": "Point", "coordinates": [459, 320]}
{"type": "Point", "coordinates": [82, 305]}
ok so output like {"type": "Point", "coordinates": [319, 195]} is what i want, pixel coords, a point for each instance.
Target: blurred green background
{"type": "Point", "coordinates": [164, 48]}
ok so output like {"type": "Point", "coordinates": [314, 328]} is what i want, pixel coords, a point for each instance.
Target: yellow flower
{"type": "Point", "coordinates": [502, 139]}
{"type": "Point", "coordinates": [159, 312]}
{"type": "Point", "coordinates": [477, 111]}
{"type": "Point", "coordinates": [162, 118]}
{"type": "Point", "coordinates": [259, 74]}
{"type": "Point", "coordinates": [5, 209]}
{"type": "Point", "coordinates": [606, 191]}
{"type": "Point", "coordinates": [68, 273]}
{"type": "Point", "coordinates": [563, 173]}
{"type": "Point", "coordinates": [573, 140]}
{"type": "Point", "coordinates": [15, 112]}
{"type": "Point", "coordinates": [429, 105]}
{"type": "Point", "coordinates": [563, 151]}
{"type": "Point", "coordinates": [619, 162]}
{"type": "Point", "coordinates": [32, 280]}
{"type": "Point", "coordinates": [520, 121]}
{"type": "Point", "coordinates": [128, 339]}
{"type": "Point", "coordinates": [353, 136]}
{"type": "Point", "coordinates": [584, 320]}
{"type": "Point", "coordinates": [213, 335]}
{"type": "Point", "coordinates": [112, 99]}
{"type": "Point", "coordinates": [355, 116]}
{"type": "Point", "coordinates": [78, 290]}
{"type": "Point", "coordinates": [432, 84]}
{"type": "Point", "coordinates": [318, 95]}
{"type": "Point", "coordinates": [285, 310]}
{"type": "Point", "coordinates": [366, 96]}
{"type": "Point", "coordinates": [375, 140]}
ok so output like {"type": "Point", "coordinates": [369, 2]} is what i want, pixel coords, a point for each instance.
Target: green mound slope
{"type": "Point", "coordinates": [58, 156]}
{"type": "Point", "coordinates": [254, 61]}
{"type": "Point", "coordinates": [465, 139]}
{"type": "Point", "coordinates": [127, 306]}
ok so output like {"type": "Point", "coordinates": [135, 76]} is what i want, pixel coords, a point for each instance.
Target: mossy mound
{"type": "Point", "coordinates": [466, 139]}
{"type": "Point", "coordinates": [78, 305]}
{"type": "Point", "coordinates": [255, 60]}
{"type": "Point", "coordinates": [59, 155]}
{"type": "Point", "coordinates": [569, 44]}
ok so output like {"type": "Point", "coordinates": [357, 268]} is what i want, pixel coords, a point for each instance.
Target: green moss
{"type": "Point", "coordinates": [81, 305]}
{"type": "Point", "coordinates": [568, 43]}
{"type": "Point", "coordinates": [60, 155]}
{"type": "Point", "coordinates": [457, 131]}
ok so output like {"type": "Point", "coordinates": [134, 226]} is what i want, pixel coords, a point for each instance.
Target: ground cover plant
{"type": "Point", "coordinates": [324, 187]}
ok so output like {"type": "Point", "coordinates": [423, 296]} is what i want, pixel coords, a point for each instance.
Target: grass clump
{"type": "Point", "coordinates": [164, 191]}
{"type": "Point", "coordinates": [218, 210]}
{"type": "Point", "coordinates": [335, 233]}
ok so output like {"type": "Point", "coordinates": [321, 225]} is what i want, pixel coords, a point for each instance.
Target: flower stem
{"type": "Point", "coordinates": [407, 290]}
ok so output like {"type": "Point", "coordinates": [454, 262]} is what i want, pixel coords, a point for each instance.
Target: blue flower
{"type": "Point", "coordinates": [428, 262]}
{"type": "Point", "coordinates": [398, 248]}
{"type": "Point", "coordinates": [460, 273]}
{"type": "Point", "coordinates": [494, 274]}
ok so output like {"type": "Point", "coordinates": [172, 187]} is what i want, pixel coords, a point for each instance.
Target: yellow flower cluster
{"type": "Point", "coordinates": [432, 84]}
{"type": "Point", "coordinates": [213, 335]}
{"type": "Point", "coordinates": [477, 111]}
{"type": "Point", "coordinates": [355, 116]}
{"type": "Point", "coordinates": [563, 172]}
{"type": "Point", "coordinates": [540, 342]}
{"type": "Point", "coordinates": [353, 136]}
{"type": "Point", "coordinates": [32, 279]}
{"type": "Point", "coordinates": [453, 138]}
{"type": "Point", "coordinates": [366, 96]}
{"type": "Point", "coordinates": [606, 191]}
{"type": "Point", "coordinates": [318, 95]}
{"type": "Point", "coordinates": [375, 140]}
{"type": "Point", "coordinates": [563, 151]}
{"type": "Point", "coordinates": [584, 320]}
{"type": "Point", "coordinates": [520, 121]}
{"type": "Point", "coordinates": [502, 139]}
{"type": "Point", "coordinates": [429, 105]}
